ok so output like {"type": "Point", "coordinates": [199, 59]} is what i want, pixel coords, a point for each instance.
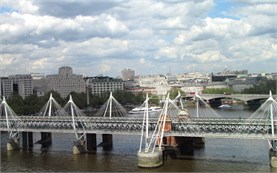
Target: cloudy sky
{"type": "Point", "coordinates": [150, 36]}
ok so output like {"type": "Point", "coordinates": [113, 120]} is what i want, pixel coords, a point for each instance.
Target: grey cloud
{"type": "Point", "coordinates": [31, 30]}
{"type": "Point", "coordinates": [69, 9]}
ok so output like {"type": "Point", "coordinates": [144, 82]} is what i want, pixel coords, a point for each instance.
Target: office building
{"type": "Point", "coordinates": [102, 84]}
{"type": "Point", "coordinates": [65, 82]}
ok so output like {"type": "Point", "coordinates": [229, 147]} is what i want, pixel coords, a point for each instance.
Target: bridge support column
{"type": "Point", "coordinates": [13, 144]}
{"type": "Point", "coordinates": [185, 146]}
{"type": "Point", "coordinates": [27, 139]}
{"type": "Point", "coordinates": [199, 142]}
{"type": "Point", "coordinates": [107, 142]}
{"type": "Point", "coordinates": [79, 147]}
{"type": "Point", "coordinates": [91, 142]}
{"type": "Point", "coordinates": [150, 159]}
{"type": "Point", "coordinates": [46, 139]}
{"type": "Point", "coordinates": [273, 154]}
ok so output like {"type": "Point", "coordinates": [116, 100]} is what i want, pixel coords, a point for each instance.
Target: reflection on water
{"type": "Point", "coordinates": [218, 155]}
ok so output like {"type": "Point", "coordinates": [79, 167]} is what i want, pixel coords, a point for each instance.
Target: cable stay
{"type": "Point", "coordinates": [112, 108]}
{"type": "Point", "coordinates": [52, 108]}
{"type": "Point", "coordinates": [263, 121]}
{"type": "Point", "coordinates": [145, 126]}
{"type": "Point", "coordinates": [179, 99]}
{"type": "Point", "coordinates": [11, 118]}
{"type": "Point", "coordinates": [203, 109]}
{"type": "Point", "coordinates": [78, 118]}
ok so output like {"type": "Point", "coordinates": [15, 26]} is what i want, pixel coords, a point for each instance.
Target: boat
{"type": "Point", "coordinates": [139, 110]}
{"type": "Point", "coordinates": [224, 106]}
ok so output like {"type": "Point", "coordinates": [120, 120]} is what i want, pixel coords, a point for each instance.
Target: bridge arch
{"type": "Point", "coordinates": [252, 100]}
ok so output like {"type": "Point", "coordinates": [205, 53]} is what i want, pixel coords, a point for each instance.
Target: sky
{"type": "Point", "coordinates": [149, 36]}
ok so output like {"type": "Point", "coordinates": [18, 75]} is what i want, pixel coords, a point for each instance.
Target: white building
{"type": "Point", "coordinates": [65, 82]}
{"type": "Point", "coordinates": [159, 82]}
{"type": "Point", "coordinates": [127, 75]}
{"type": "Point", "coordinates": [102, 84]}
{"type": "Point", "coordinates": [20, 83]}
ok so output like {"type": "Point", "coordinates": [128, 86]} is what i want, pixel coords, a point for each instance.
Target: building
{"type": "Point", "coordinates": [159, 82]}
{"type": "Point", "coordinates": [20, 83]}
{"type": "Point", "coordinates": [127, 75]}
{"type": "Point", "coordinates": [65, 82]}
{"type": "Point", "coordinates": [39, 84]}
{"type": "Point", "coordinates": [102, 84]}
{"type": "Point", "coordinates": [222, 78]}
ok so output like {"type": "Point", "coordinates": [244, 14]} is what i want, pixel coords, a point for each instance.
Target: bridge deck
{"type": "Point", "coordinates": [204, 127]}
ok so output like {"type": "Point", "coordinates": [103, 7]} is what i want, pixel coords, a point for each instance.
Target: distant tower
{"type": "Point", "coordinates": [127, 75]}
{"type": "Point", "coordinates": [65, 71]}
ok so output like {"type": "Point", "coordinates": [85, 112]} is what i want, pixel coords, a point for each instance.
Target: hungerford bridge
{"type": "Point", "coordinates": [170, 128]}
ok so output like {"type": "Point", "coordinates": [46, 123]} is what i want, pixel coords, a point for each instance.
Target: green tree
{"type": "Point", "coordinates": [16, 102]}
{"type": "Point", "coordinates": [262, 87]}
{"type": "Point", "coordinates": [174, 91]}
{"type": "Point", "coordinates": [140, 97]}
{"type": "Point", "coordinates": [217, 90]}
{"type": "Point", "coordinates": [32, 104]}
{"type": "Point", "coordinates": [56, 96]}
{"type": "Point", "coordinates": [154, 99]}
{"type": "Point", "coordinates": [80, 99]}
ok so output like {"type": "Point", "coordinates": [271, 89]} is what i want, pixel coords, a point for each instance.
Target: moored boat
{"type": "Point", "coordinates": [140, 110]}
{"type": "Point", "coordinates": [224, 106]}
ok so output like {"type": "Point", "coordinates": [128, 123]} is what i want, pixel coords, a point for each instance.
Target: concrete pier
{"type": "Point", "coordinates": [79, 147]}
{"type": "Point", "coordinates": [45, 141]}
{"type": "Point", "coordinates": [185, 145]}
{"type": "Point", "coordinates": [198, 142]}
{"type": "Point", "coordinates": [91, 142]}
{"type": "Point", "coordinates": [149, 159]}
{"type": "Point", "coordinates": [273, 154]}
{"type": "Point", "coordinates": [46, 138]}
{"type": "Point", "coordinates": [13, 144]}
{"type": "Point", "coordinates": [27, 140]}
{"type": "Point", "coordinates": [107, 143]}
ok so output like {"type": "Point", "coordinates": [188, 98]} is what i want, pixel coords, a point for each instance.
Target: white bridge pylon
{"type": "Point", "coordinates": [263, 120]}
{"type": "Point", "coordinates": [203, 109]}
{"type": "Point", "coordinates": [112, 108]}
{"type": "Point", "coordinates": [52, 108]}
{"type": "Point", "coordinates": [169, 109]}
{"type": "Point", "coordinates": [11, 119]}
{"type": "Point", "coordinates": [77, 118]}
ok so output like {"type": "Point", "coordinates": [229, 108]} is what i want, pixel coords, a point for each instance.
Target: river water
{"type": "Point", "coordinates": [218, 155]}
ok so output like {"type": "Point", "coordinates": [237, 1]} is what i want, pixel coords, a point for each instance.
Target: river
{"type": "Point", "coordinates": [218, 155]}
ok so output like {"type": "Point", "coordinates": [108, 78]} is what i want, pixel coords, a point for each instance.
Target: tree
{"type": "Point", "coordinates": [174, 91]}
{"type": "Point", "coordinates": [154, 99]}
{"type": "Point", "coordinates": [32, 104]}
{"type": "Point", "coordinates": [263, 87]}
{"type": "Point", "coordinates": [217, 90]}
{"type": "Point", "coordinates": [16, 102]}
{"type": "Point", "coordinates": [80, 99]}
{"type": "Point", "coordinates": [56, 96]}
{"type": "Point", "coordinates": [140, 97]}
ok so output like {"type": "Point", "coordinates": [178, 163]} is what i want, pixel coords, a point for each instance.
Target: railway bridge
{"type": "Point", "coordinates": [168, 129]}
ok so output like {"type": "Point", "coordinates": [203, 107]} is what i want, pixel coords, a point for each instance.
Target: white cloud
{"type": "Point", "coordinates": [105, 68]}
{"type": "Point", "coordinates": [145, 35]}
{"type": "Point", "coordinates": [142, 61]}
{"type": "Point", "coordinates": [22, 6]}
{"type": "Point", "coordinates": [211, 56]}
{"type": "Point", "coordinates": [29, 28]}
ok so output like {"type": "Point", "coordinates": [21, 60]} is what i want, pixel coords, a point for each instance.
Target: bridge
{"type": "Point", "coordinates": [241, 97]}
{"type": "Point", "coordinates": [172, 123]}
{"type": "Point", "coordinates": [252, 100]}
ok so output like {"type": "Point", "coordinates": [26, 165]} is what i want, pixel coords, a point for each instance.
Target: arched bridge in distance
{"type": "Point", "coordinates": [252, 100]}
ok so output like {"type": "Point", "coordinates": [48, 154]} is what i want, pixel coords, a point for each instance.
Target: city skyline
{"type": "Point", "coordinates": [150, 37]}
